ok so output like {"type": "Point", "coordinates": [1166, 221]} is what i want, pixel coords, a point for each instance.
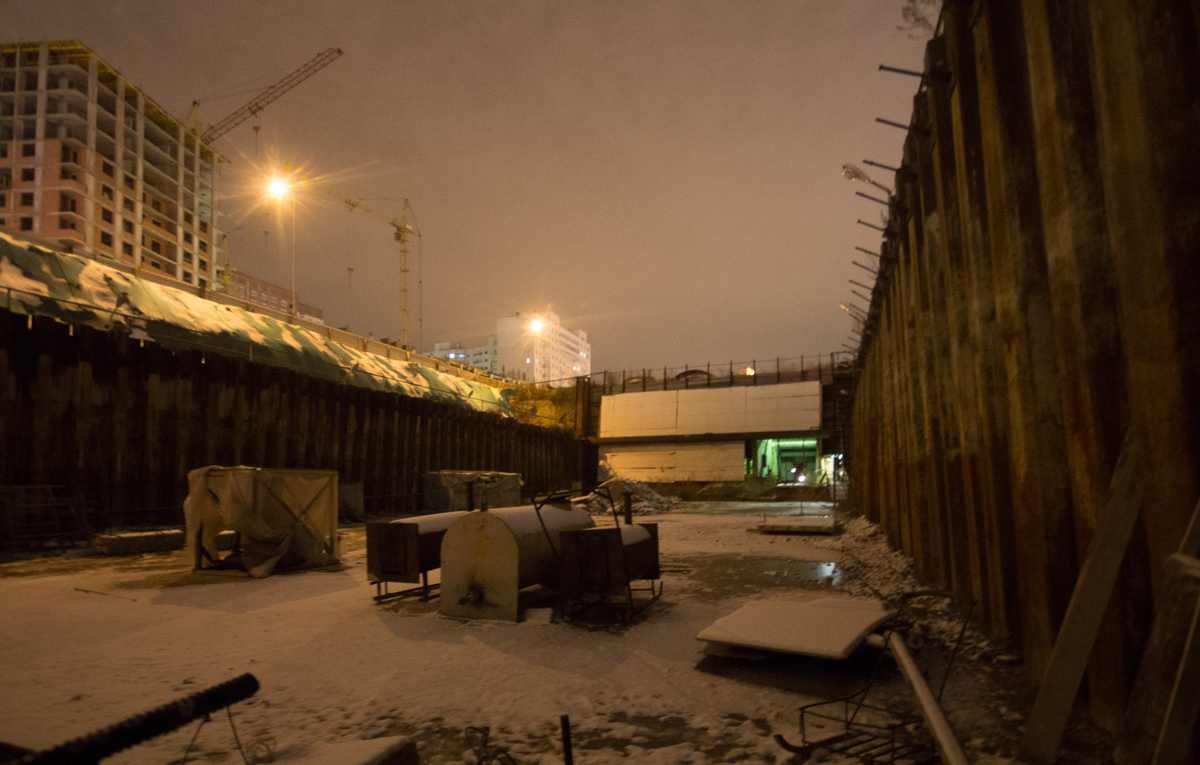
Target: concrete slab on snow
{"type": "Point", "coordinates": [798, 524]}
{"type": "Point", "coordinates": [829, 628]}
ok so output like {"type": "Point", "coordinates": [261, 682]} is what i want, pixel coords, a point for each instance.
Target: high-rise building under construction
{"type": "Point", "coordinates": [87, 160]}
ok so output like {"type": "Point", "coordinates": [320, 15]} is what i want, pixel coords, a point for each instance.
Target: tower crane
{"type": "Point", "coordinates": [402, 228]}
{"type": "Point", "coordinates": [259, 102]}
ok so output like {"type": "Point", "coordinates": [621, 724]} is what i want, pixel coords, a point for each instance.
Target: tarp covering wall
{"type": "Point", "coordinates": [82, 291]}
{"type": "Point", "coordinates": [285, 517]}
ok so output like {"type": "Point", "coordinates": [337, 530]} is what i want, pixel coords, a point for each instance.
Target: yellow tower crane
{"type": "Point", "coordinates": [402, 228]}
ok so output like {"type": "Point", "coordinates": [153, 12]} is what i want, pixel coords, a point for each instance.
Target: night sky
{"type": "Point", "coordinates": [663, 175]}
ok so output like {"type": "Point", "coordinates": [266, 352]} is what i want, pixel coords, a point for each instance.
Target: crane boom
{"type": "Point", "coordinates": [259, 102]}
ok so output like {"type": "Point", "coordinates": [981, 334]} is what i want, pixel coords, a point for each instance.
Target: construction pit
{"type": "Point", "coordinates": [89, 641]}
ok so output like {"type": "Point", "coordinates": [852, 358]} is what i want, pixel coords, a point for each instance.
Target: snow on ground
{"type": "Point", "coordinates": [100, 641]}
{"type": "Point", "coordinates": [88, 642]}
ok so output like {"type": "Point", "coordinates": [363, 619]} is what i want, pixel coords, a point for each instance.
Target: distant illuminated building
{"type": "Point", "coordinates": [261, 292]}
{"type": "Point", "coordinates": [528, 346]}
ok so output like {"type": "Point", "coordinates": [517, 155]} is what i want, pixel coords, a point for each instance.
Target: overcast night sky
{"type": "Point", "coordinates": [663, 175]}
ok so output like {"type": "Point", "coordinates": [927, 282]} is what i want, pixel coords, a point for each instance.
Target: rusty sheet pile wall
{"type": "Point", "coordinates": [119, 423]}
{"type": "Point", "coordinates": [1038, 298]}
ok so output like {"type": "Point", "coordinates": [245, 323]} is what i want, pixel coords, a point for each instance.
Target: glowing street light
{"type": "Point", "coordinates": [278, 188]}
{"type": "Point", "coordinates": [536, 325]}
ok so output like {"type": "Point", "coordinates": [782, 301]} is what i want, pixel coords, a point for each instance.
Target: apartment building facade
{"type": "Point", "coordinates": [534, 347]}
{"type": "Point", "coordinates": [87, 160]}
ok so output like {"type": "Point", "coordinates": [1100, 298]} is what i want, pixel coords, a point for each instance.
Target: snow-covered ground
{"type": "Point", "coordinates": [87, 642]}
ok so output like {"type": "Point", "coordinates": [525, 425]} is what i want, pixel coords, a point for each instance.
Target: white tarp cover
{"type": "Point", "coordinates": [285, 517]}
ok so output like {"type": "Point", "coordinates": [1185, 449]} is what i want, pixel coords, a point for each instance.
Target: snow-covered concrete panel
{"type": "Point", "coordinates": [719, 410]}
{"type": "Point", "coordinates": [759, 409]}
{"type": "Point", "coordinates": [796, 406]}
{"type": "Point", "coordinates": [830, 628]}
{"type": "Point", "coordinates": [664, 463]}
{"type": "Point", "coordinates": [649, 413]}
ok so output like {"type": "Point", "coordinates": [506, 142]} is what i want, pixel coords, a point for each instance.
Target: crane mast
{"type": "Point", "coordinates": [259, 102]}
{"type": "Point", "coordinates": [401, 229]}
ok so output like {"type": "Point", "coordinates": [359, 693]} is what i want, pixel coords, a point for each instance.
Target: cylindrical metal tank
{"type": "Point", "coordinates": [488, 556]}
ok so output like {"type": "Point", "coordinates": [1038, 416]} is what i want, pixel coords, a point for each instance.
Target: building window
{"type": "Point", "coordinates": [106, 192]}
{"type": "Point", "coordinates": [107, 169]}
{"type": "Point", "coordinates": [203, 284]}
{"type": "Point", "coordinates": [127, 248]}
{"type": "Point", "coordinates": [27, 224]}
{"type": "Point", "coordinates": [3, 149]}
{"type": "Point", "coordinates": [155, 247]}
{"type": "Point", "coordinates": [66, 203]}
{"type": "Point", "coordinates": [28, 149]}
{"type": "Point", "coordinates": [203, 227]}
{"type": "Point", "coordinates": [3, 199]}
{"type": "Point", "coordinates": [129, 182]}
{"type": "Point", "coordinates": [106, 215]}
{"type": "Point", "coordinates": [128, 226]}
{"type": "Point", "coordinates": [187, 218]}
{"type": "Point", "coordinates": [129, 204]}
{"type": "Point", "coordinates": [187, 276]}
{"type": "Point", "coordinates": [27, 199]}
{"type": "Point", "coordinates": [65, 223]}
{"type": "Point", "coordinates": [187, 237]}
{"type": "Point", "coordinates": [106, 239]}
{"type": "Point", "coordinates": [156, 204]}
{"type": "Point", "coordinates": [203, 246]}
{"type": "Point", "coordinates": [154, 264]}
{"type": "Point", "coordinates": [187, 257]}
{"type": "Point", "coordinates": [203, 265]}
{"type": "Point", "coordinates": [27, 174]}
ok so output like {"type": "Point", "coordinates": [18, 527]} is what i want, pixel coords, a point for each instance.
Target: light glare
{"type": "Point", "coordinates": [278, 188]}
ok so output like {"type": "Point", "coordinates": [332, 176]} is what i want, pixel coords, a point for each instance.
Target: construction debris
{"type": "Point", "coordinates": [646, 501]}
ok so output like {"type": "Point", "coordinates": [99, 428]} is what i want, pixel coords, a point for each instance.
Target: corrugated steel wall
{"type": "Point", "coordinates": [1038, 296]}
{"type": "Point", "coordinates": [119, 423]}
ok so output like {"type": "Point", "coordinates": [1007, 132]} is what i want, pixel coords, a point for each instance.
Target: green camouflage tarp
{"type": "Point", "coordinates": [82, 291]}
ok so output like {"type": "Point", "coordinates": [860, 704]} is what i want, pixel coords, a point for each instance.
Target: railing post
{"type": "Point", "coordinates": [686, 384]}
{"type": "Point", "coordinates": [778, 373]}
{"type": "Point", "coordinates": [708, 371]}
{"type": "Point", "coordinates": [664, 378]}
{"type": "Point", "coordinates": [754, 371]}
{"type": "Point", "coordinates": [802, 367]}
{"type": "Point", "coordinates": [644, 379]}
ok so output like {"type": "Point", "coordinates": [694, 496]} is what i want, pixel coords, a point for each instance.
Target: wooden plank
{"type": "Point", "coordinates": [962, 410]}
{"type": "Point", "coordinates": [1073, 647]}
{"type": "Point", "coordinates": [1183, 706]}
{"type": "Point", "coordinates": [1041, 508]}
{"type": "Point", "coordinates": [1154, 709]}
{"type": "Point", "coordinates": [990, 394]}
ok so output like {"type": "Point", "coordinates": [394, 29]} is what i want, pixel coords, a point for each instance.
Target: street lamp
{"type": "Point", "coordinates": [281, 189]}
{"type": "Point", "coordinates": [856, 173]}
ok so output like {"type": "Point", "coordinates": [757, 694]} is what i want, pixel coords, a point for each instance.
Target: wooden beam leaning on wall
{"type": "Point", "coordinates": [1073, 646]}
{"type": "Point", "coordinates": [1160, 727]}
